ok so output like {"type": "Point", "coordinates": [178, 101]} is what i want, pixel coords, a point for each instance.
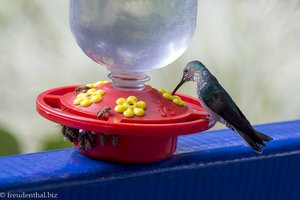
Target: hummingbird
{"type": "Point", "coordinates": [220, 106]}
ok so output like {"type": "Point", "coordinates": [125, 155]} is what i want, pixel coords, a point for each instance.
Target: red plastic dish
{"type": "Point", "coordinates": [150, 138]}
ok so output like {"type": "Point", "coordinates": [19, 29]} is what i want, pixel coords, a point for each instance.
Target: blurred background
{"type": "Point", "coordinates": [252, 47]}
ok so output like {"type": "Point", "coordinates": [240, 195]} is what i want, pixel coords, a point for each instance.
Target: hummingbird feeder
{"type": "Point", "coordinates": [126, 119]}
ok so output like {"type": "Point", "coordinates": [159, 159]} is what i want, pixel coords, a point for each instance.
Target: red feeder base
{"type": "Point", "coordinates": [134, 149]}
{"type": "Point", "coordinates": [150, 138]}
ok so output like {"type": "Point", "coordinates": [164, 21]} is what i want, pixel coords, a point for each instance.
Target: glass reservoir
{"type": "Point", "coordinates": [131, 37]}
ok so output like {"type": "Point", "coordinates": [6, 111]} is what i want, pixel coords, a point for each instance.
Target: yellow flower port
{"type": "Point", "coordinates": [175, 99]}
{"type": "Point", "coordinates": [130, 107]}
{"type": "Point", "coordinates": [167, 94]}
{"type": "Point", "coordinates": [85, 99]}
{"type": "Point", "coordinates": [96, 84]}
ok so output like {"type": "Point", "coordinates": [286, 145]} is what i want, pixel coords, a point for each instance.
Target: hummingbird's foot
{"type": "Point", "coordinates": [115, 140]}
{"type": "Point", "coordinates": [103, 138]}
{"type": "Point", "coordinates": [210, 119]}
{"type": "Point", "coordinates": [206, 117]}
{"type": "Point", "coordinates": [212, 122]}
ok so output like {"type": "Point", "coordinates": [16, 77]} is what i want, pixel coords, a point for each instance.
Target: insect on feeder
{"type": "Point", "coordinates": [125, 119]}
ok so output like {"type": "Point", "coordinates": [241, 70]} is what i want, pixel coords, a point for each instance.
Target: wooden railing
{"type": "Point", "coordinates": [210, 165]}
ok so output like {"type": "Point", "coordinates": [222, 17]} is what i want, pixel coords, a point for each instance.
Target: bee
{"type": "Point", "coordinates": [115, 140]}
{"type": "Point", "coordinates": [69, 133]}
{"type": "Point", "coordinates": [104, 112]}
{"type": "Point", "coordinates": [81, 88]}
{"type": "Point", "coordinates": [103, 138]}
{"type": "Point", "coordinates": [86, 139]}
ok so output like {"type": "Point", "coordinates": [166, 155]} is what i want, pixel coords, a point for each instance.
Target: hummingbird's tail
{"type": "Point", "coordinates": [256, 140]}
{"type": "Point", "coordinates": [263, 136]}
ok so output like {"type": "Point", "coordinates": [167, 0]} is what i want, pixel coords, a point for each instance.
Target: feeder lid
{"type": "Point", "coordinates": [162, 117]}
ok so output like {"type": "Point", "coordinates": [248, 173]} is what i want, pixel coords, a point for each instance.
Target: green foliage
{"type": "Point", "coordinates": [55, 142]}
{"type": "Point", "coordinates": [8, 143]}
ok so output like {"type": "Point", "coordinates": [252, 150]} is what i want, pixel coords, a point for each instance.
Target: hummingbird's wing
{"type": "Point", "coordinates": [219, 101]}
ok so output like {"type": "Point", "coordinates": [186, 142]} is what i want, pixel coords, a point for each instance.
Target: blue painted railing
{"type": "Point", "coordinates": [211, 165]}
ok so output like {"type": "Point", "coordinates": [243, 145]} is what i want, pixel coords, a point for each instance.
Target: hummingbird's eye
{"type": "Point", "coordinates": [185, 70]}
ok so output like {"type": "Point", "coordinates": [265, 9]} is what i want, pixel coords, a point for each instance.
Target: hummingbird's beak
{"type": "Point", "coordinates": [179, 85]}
